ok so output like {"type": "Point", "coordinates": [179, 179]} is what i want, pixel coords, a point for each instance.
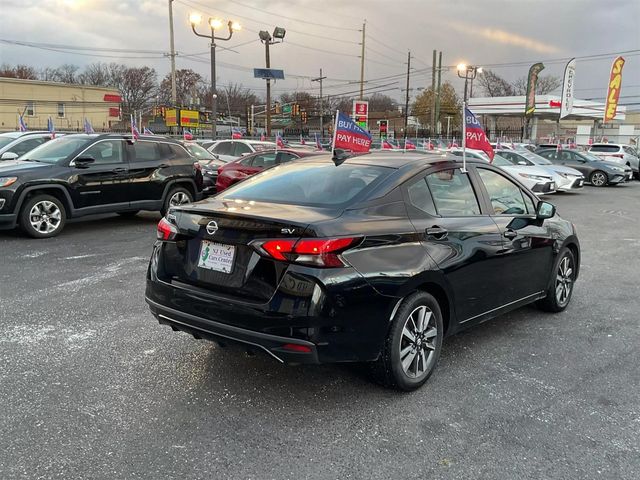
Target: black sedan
{"type": "Point", "coordinates": [375, 259]}
{"type": "Point", "coordinates": [597, 171]}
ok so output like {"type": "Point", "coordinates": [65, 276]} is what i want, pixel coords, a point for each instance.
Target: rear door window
{"type": "Point", "coordinates": [106, 152]}
{"type": "Point", "coordinates": [284, 157]}
{"type": "Point", "coordinates": [240, 149]}
{"type": "Point", "coordinates": [453, 193]}
{"type": "Point", "coordinates": [145, 151]}
{"type": "Point", "coordinates": [223, 148]}
{"type": "Point", "coordinates": [264, 160]}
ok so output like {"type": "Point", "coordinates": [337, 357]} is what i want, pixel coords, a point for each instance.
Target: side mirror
{"type": "Point", "coordinates": [9, 156]}
{"type": "Point", "coordinates": [216, 156]}
{"type": "Point", "coordinates": [83, 162]}
{"type": "Point", "coordinates": [545, 210]}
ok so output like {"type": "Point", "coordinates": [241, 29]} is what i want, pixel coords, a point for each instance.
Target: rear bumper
{"type": "Point", "coordinates": [334, 312]}
{"type": "Point", "coordinates": [203, 328]}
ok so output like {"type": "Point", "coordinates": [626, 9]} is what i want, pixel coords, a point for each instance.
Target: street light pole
{"type": "Point", "coordinates": [172, 54]}
{"type": "Point", "coordinates": [406, 100]}
{"type": "Point", "coordinates": [214, 23]}
{"type": "Point", "coordinates": [267, 39]}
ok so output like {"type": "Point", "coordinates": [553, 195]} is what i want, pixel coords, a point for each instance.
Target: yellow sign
{"type": "Point", "coordinates": [171, 117]}
{"type": "Point", "coordinates": [189, 118]}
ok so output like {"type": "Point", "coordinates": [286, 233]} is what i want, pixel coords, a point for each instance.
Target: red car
{"type": "Point", "coordinates": [244, 167]}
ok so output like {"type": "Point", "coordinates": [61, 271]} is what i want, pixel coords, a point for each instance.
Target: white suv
{"type": "Point", "coordinates": [617, 153]}
{"type": "Point", "coordinates": [15, 144]}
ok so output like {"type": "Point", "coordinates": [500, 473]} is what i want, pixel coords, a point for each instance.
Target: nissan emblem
{"type": "Point", "coordinates": [212, 227]}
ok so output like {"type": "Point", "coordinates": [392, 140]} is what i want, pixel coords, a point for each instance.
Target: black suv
{"type": "Point", "coordinates": [78, 175]}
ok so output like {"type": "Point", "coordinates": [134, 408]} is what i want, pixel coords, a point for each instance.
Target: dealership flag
{"type": "Point", "coordinates": [22, 125]}
{"type": "Point", "coordinates": [236, 133]}
{"type": "Point", "coordinates": [87, 126]}
{"type": "Point", "coordinates": [474, 135]}
{"type": "Point", "coordinates": [302, 142]}
{"type": "Point", "coordinates": [262, 137]}
{"type": "Point", "coordinates": [532, 80]}
{"type": "Point", "coordinates": [386, 145]}
{"type": "Point", "coordinates": [135, 133]}
{"type": "Point", "coordinates": [51, 127]}
{"type": "Point", "coordinates": [349, 136]}
{"type": "Point", "coordinates": [146, 131]}
{"type": "Point", "coordinates": [613, 94]}
{"type": "Point", "coordinates": [187, 135]}
{"type": "Point", "coordinates": [567, 88]}
{"type": "Point", "coordinates": [279, 141]}
{"type": "Point", "coordinates": [318, 143]}
{"type": "Point", "coordinates": [428, 145]}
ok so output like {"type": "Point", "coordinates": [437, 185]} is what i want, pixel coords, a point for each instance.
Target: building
{"type": "Point", "coordinates": [504, 117]}
{"type": "Point", "coordinates": [67, 104]}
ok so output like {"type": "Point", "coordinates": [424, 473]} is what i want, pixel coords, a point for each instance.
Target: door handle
{"type": "Point", "coordinates": [510, 234]}
{"type": "Point", "coordinates": [119, 170]}
{"type": "Point", "coordinates": [437, 232]}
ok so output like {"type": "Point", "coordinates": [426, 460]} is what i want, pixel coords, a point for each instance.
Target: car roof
{"type": "Point", "coordinates": [22, 134]}
{"type": "Point", "coordinates": [399, 160]}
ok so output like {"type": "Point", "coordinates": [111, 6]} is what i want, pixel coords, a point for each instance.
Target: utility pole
{"type": "Point", "coordinates": [406, 99]}
{"type": "Point", "coordinates": [364, 26]}
{"type": "Point", "coordinates": [268, 65]}
{"type": "Point", "coordinates": [172, 54]}
{"type": "Point", "coordinates": [433, 94]}
{"type": "Point", "coordinates": [438, 92]}
{"type": "Point", "coordinates": [319, 79]}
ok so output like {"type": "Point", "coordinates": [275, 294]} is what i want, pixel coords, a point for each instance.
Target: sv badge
{"type": "Point", "coordinates": [288, 231]}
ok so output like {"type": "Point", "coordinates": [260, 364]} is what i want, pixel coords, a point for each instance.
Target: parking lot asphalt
{"type": "Point", "coordinates": [91, 386]}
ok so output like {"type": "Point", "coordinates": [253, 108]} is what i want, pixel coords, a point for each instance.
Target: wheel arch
{"type": "Point", "coordinates": [57, 191]}
{"type": "Point", "coordinates": [188, 183]}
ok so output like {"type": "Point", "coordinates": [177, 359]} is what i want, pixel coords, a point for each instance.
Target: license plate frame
{"type": "Point", "coordinates": [218, 258]}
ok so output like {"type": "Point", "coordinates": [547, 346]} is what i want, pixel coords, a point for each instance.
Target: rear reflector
{"type": "Point", "coordinates": [296, 348]}
{"type": "Point", "coordinates": [166, 231]}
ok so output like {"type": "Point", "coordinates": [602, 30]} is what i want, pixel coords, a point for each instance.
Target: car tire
{"type": "Point", "coordinates": [561, 288]}
{"type": "Point", "coordinates": [42, 216]}
{"type": "Point", "coordinates": [598, 178]}
{"type": "Point", "coordinates": [176, 196]}
{"type": "Point", "coordinates": [412, 347]}
{"type": "Point", "coordinates": [129, 214]}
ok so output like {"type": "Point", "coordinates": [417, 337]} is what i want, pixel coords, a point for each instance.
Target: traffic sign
{"type": "Point", "coordinates": [268, 73]}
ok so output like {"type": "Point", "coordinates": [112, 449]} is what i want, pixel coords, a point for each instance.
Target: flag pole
{"type": "Point", "coordinates": [335, 130]}
{"type": "Point", "coordinates": [464, 136]}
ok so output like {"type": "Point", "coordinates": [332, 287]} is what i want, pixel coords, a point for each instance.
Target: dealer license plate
{"type": "Point", "coordinates": [216, 256]}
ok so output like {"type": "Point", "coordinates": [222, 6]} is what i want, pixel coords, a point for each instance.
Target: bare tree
{"type": "Point", "coordinates": [95, 74]}
{"type": "Point", "coordinates": [379, 102]}
{"type": "Point", "coordinates": [306, 101]}
{"type": "Point", "coordinates": [233, 99]}
{"type": "Point", "coordinates": [544, 85]}
{"type": "Point", "coordinates": [67, 73]}
{"type": "Point", "coordinates": [188, 88]}
{"type": "Point", "coordinates": [136, 85]}
{"type": "Point", "coordinates": [494, 85]}
{"type": "Point", "coordinates": [19, 71]}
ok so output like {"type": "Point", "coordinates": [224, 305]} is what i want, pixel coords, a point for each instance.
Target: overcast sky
{"type": "Point", "coordinates": [325, 34]}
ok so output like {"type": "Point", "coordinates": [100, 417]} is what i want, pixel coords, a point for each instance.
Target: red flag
{"type": "Point", "coordinates": [350, 136]}
{"type": "Point", "coordinates": [262, 137]}
{"type": "Point", "coordinates": [302, 142]}
{"type": "Point", "coordinates": [409, 145]}
{"type": "Point", "coordinates": [475, 136]}
{"type": "Point", "coordinates": [279, 141]}
{"type": "Point", "coordinates": [187, 135]}
{"type": "Point", "coordinates": [386, 145]}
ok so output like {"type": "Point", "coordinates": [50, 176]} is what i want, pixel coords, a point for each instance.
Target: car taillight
{"type": "Point", "coordinates": [319, 252]}
{"type": "Point", "coordinates": [166, 231]}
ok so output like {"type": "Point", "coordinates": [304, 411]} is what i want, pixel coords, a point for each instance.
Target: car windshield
{"type": "Point", "coordinates": [312, 184]}
{"type": "Point", "coordinates": [499, 161]}
{"type": "Point", "coordinates": [57, 149]}
{"type": "Point", "coordinates": [533, 158]}
{"type": "Point", "coordinates": [199, 152]}
{"type": "Point", "coordinates": [5, 141]}
{"type": "Point", "coordinates": [589, 157]}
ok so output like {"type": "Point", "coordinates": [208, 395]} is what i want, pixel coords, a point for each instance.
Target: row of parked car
{"type": "Point", "coordinates": [44, 182]}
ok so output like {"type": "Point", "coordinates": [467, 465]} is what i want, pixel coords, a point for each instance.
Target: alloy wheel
{"type": "Point", "coordinates": [564, 281]}
{"type": "Point", "coordinates": [45, 217]}
{"type": "Point", "coordinates": [418, 342]}
{"type": "Point", "coordinates": [598, 179]}
{"type": "Point", "coordinates": [179, 198]}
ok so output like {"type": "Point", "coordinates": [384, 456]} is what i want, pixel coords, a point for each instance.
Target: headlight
{"type": "Point", "coordinates": [617, 169]}
{"type": "Point", "coordinates": [538, 178]}
{"type": "Point", "coordinates": [563, 175]}
{"type": "Point", "coordinates": [6, 181]}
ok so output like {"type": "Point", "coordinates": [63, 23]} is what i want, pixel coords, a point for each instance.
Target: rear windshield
{"type": "Point", "coordinates": [604, 148]}
{"type": "Point", "coordinates": [313, 184]}
{"type": "Point", "coordinates": [56, 150]}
